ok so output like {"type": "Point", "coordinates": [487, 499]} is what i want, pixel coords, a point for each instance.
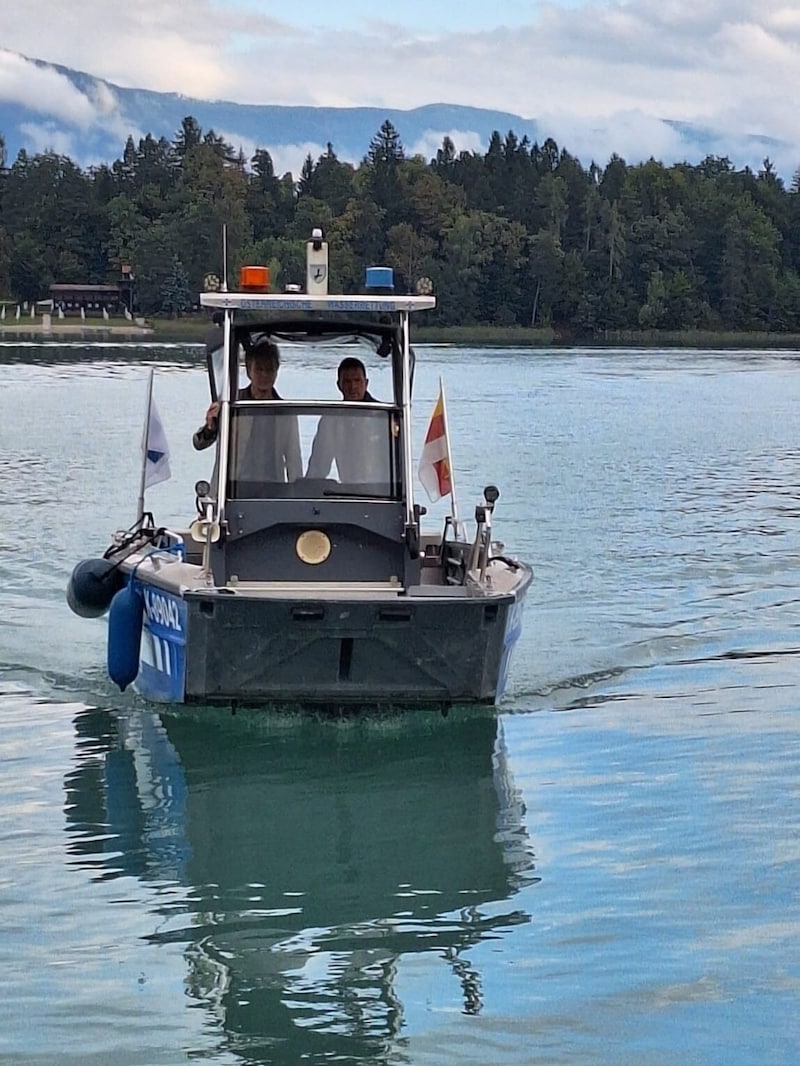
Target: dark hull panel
{"type": "Point", "coordinates": [323, 651]}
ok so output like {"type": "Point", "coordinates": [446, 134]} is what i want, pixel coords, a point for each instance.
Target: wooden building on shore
{"type": "Point", "coordinates": [93, 299]}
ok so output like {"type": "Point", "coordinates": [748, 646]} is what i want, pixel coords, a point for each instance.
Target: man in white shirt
{"type": "Point", "coordinates": [358, 445]}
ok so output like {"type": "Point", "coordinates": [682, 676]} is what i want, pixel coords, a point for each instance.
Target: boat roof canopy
{"type": "Point", "coordinates": [383, 337]}
{"type": "Point", "coordinates": [261, 301]}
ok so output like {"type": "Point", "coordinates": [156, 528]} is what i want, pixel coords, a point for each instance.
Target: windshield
{"type": "Point", "coordinates": [277, 451]}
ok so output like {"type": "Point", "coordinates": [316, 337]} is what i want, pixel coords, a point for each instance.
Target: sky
{"type": "Point", "coordinates": [599, 76]}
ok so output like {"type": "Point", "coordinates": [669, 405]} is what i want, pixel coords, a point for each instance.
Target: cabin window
{"type": "Point", "coordinates": [216, 363]}
{"type": "Point", "coordinates": [282, 451]}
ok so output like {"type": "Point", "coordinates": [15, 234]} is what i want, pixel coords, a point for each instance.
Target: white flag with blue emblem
{"type": "Point", "coordinates": [156, 449]}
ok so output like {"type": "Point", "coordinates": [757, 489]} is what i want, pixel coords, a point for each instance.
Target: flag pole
{"type": "Point", "coordinates": [145, 433]}
{"type": "Point", "coordinates": [449, 457]}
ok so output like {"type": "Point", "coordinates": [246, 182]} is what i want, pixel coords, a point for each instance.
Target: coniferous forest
{"type": "Point", "coordinates": [521, 235]}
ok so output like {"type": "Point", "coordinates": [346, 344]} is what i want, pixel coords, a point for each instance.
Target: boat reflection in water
{"type": "Point", "coordinates": [316, 856]}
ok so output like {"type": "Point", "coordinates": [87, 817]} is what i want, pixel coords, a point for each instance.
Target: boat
{"type": "Point", "coordinates": [317, 585]}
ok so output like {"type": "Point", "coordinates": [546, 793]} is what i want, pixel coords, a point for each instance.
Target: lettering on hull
{"type": "Point", "coordinates": [162, 610]}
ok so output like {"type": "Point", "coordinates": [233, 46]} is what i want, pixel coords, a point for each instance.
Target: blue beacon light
{"type": "Point", "coordinates": [379, 280]}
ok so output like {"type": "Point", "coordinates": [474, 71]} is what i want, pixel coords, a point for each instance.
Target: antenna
{"type": "Point", "coordinates": [224, 258]}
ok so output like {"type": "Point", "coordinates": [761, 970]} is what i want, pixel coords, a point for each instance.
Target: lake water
{"type": "Point", "coordinates": [607, 870]}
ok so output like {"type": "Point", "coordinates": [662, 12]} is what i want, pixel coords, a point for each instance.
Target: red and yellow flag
{"type": "Point", "coordinates": [434, 463]}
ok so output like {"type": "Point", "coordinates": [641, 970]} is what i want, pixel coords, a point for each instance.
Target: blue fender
{"type": "Point", "coordinates": [124, 635]}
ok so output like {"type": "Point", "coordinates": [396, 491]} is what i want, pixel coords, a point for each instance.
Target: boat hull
{"type": "Point", "coordinates": [426, 650]}
{"type": "Point", "coordinates": [162, 656]}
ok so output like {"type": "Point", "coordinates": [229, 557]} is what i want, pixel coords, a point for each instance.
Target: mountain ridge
{"type": "Point", "coordinates": [89, 119]}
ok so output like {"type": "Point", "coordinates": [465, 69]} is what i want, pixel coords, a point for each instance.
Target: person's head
{"type": "Point", "coordinates": [261, 364]}
{"type": "Point", "coordinates": [352, 379]}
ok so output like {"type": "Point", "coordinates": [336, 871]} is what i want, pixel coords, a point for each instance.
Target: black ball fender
{"type": "Point", "coordinates": [92, 587]}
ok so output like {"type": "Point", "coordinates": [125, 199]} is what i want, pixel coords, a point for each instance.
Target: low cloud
{"type": "Point", "coordinates": [46, 137]}
{"type": "Point", "coordinates": [289, 158]}
{"type": "Point", "coordinates": [286, 158]}
{"type": "Point", "coordinates": [43, 90]}
{"type": "Point", "coordinates": [463, 141]}
{"type": "Point", "coordinates": [52, 95]}
{"type": "Point", "coordinates": [634, 135]}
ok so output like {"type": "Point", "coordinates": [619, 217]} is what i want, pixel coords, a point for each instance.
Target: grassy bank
{"type": "Point", "coordinates": [694, 338]}
{"type": "Point", "coordinates": [520, 337]}
{"type": "Point", "coordinates": [195, 329]}
{"type": "Point", "coordinates": [74, 327]}
{"type": "Point", "coordinates": [477, 336]}
{"type": "Point", "coordinates": [191, 329]}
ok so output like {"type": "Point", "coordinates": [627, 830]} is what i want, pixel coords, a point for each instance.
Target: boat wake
{"type": "Point", "coordinates": [655, 664]}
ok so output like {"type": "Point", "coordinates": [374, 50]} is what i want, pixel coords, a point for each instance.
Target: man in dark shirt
{"type": "Point", "coordinates": [268, 446]}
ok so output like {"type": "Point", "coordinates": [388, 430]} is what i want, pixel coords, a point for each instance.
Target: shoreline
{"type": "Point", "coordinates": [37, 330]}
{"type": "Point", "coordinates": [195, 330]}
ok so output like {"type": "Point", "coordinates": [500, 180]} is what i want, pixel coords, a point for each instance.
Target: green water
{"type": "Point", "coordinates": [606, 870]}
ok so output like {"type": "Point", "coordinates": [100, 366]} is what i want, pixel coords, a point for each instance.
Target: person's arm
{"type": "Point", "coordinates": [205, 436]}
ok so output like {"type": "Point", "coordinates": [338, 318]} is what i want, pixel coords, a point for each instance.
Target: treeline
{"type": "Point", "coordinates": [522, 234]}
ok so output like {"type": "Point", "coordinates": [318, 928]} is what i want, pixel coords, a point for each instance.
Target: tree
{"type": "Point", "coordinates": [469, 171]}
{"type": "Point", "coordinates": [309, 214]}
{"type": "Point", "coordinates": [268, 203]}
{"type": "Point", "coordinates": [221, 147]}
{"type": "Point", "coordinates": [479, 274]}
{"type": "Point", "coordinates": [285, 258]}
{"type": "Point", "coordinates": [188, 136]}
{"type": "Point", "coordinates": [545, 158]}
{"type": "Point", "coordinates": [382, 167]}
{"type": "Point", "coordinates": [385, 148]}
{"type": "Point", "coordinates": [431, 202]}
{"type": "Point", "coordinates": [409, 254]}
{"type": "Point", "coordinates": [445, 161]}
{"type": "Point", "coordinates": [614, 178]}
{"type": "Point", "coordinates": [545, 260]}
{"type": "Point", "coordinates": [327, 180]}
{"type": "Point", "coordinates": [653, 313]}
{"type": "Point", "coordinates": [176, 296]}
{"type": "Point", "coordinates": [5, 262]}
{"type": "Point", "coordinates": [551, 204]}
{"type": "Point", "coordinates": [48, 203]}
{"type": "Point", "coordinates": [356, 240]}
{"type": "Point", "coordinates": [304, 185]}
{"type": "Point", "coordinates": [29, 276]}
{"type": "Point", "coordinates": [685, 307]}
{"type": "Point", "coordinates": [124, 170]}
{"type": "Point", "coordinates": [614, 238]}
{"type": "Point", "coordinates": [209, 196]}
{"type": "Point", "coordinates": [750, 268]}
{"type": "Point", "coordinates": [494, 166]}
{"type": "Point", "coordinates": [123, 224]}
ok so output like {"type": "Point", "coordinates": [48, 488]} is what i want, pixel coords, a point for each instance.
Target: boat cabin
{"type": "Point", "coordinates": [313, 490]}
